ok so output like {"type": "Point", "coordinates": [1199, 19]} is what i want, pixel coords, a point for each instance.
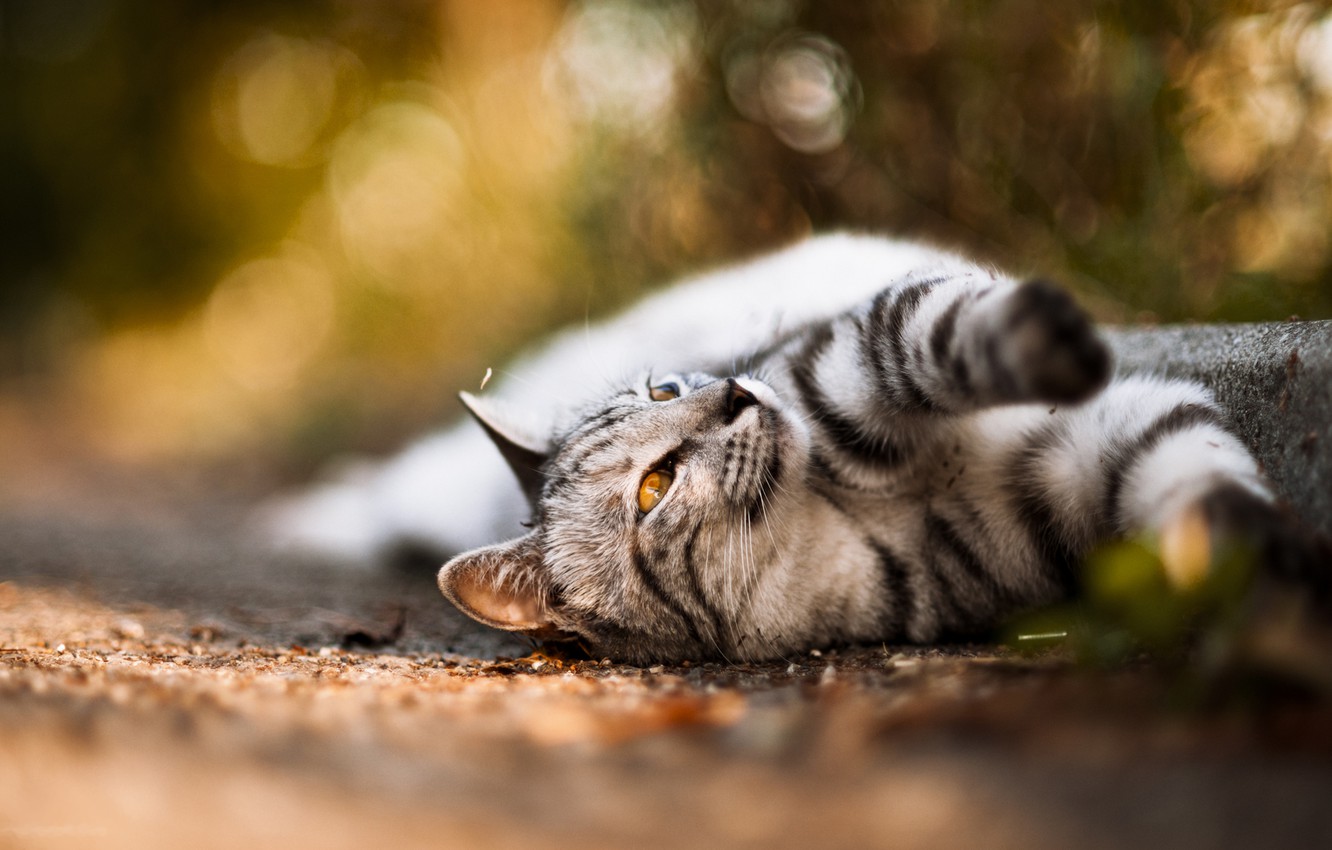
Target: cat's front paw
{"type": "Point", "coordinates": [1058, 355]}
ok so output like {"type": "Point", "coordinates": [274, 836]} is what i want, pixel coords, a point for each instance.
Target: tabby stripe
{"type": "Point", "coordinates": [715, 619]}
{"type": "Point", "coordinates": [841, 431]}
{"type": "Point", "coordinates": [943, 348]}
{"type": "Point", "coordinates": [962, 375]}
{"type": "Point", "coordinates": [1035, 514]}
{"type": "Point", "coordinates": [943, 533]}
{"type": "Point", "coordinates": [905, 308]}
{"type": "Point", "coordinates": [760, 358]}
{"type": "Point", "coordinates": [945, 327]}
{"type": "Point", "coordinates": [728, 458]}
{"type": "Point", "coordinates": [883, 340]}
{"type": "Point", "coordinates": [606, 418]}
{"type": "Point", "coordinates": [1120, 462]}
{"type": "Point", "coordinates": [832, 499]}
{"type": "Point", "coordinates": [804, 362]}
{"type": "Point", "coordinates": [946, 596]}
{"type": "Point", "coordinates": [819, 464]}
{"type": "Point", "coordinates": [822, 470]}
{"type": "Point", "coordinates": [873, 339]}
{"type": "Point", "coordinates": [846, 436]}
{"type": "Point", "coordinates": [650, 581]}
{"type": "Point", "coordinates": [896, 581]}
{"type": "Point", "coordinates": [915, 392]}
{"type": "Point", "coordinates": [575, 462]}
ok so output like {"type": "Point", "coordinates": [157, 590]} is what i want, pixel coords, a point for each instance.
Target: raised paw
{"type": "Point", "coordinates": [1056, 353]}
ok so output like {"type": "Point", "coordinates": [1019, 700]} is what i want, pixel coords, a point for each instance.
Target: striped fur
{"type": "Point", "coordinates": [920, 466]}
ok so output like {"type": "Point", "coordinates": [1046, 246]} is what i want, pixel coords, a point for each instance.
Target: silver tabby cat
{"type": "Point", "coordinates": [921, 465]}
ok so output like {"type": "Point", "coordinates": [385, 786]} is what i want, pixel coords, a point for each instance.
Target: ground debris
{"type": "Point", "coordinates": [290, 720]}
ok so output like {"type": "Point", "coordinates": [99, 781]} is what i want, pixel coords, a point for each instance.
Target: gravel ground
{"type": "Point", "coordinates": [163, 685]}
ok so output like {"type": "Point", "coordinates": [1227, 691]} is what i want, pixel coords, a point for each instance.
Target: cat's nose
{"type": "Point", "coordinates": [737, 398]}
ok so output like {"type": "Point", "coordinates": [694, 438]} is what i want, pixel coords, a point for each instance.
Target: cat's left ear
{"type": "Point", "coordinates": [515, 438]}
{"type": "Point", "coordinates": [505, 586]}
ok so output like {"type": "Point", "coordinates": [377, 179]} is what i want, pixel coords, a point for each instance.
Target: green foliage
{"type": "Point", "coordinates": [1129, 607]}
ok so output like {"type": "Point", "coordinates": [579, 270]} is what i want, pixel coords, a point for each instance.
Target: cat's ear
{"type": "Point", "coordinates": [505, 586]}
{"type": "Point", "coordinates": [522, 448]}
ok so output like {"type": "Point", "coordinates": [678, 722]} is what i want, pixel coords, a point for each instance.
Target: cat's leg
{"type": "Point", "coordinates": [1165, 469]}
{"type": "Point", "coordinates": [1189, 482]}
{"type": "Point", "coordinates": [982, 345]}
{"type": "Point", "coordinates": [948, 345]}
{"type": "Point", "coordinates": [1155, 458]}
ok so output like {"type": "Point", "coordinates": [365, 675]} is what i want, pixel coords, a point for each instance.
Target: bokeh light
{"type": "Point", "coordinates": [802, 87]}
{"type": "Point", "coordinates": [268, 319]}
{"type": "Point", "coordinates": [396, 178]}
{"type": "Point", "coordinates": [618, 63]}
{"type": "Point", "coordinates": [275, 97]}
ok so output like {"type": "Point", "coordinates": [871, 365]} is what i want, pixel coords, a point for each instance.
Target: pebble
{"type": "Point", "coordinates": [128, 629]}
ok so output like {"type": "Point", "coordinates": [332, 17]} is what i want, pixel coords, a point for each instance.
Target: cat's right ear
{"type": "Point", "coordinates": [522, 449]}
{"type": "Point", "coordinates": [505, 586]}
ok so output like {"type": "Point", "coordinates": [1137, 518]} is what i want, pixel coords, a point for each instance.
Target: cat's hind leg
{"type": "Point", "coordinates": [1230, 518]}
{"type": "Point", "coordinates": [1176, 473]}
{"type": "Point", "coordinates": [1133, 461]}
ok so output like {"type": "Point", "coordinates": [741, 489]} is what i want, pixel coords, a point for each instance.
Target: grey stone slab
{"type": "Point", "coordinates": [1275, 381]}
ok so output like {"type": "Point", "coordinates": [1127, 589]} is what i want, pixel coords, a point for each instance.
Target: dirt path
{"type": "Point", "coordinates": [162, 685]}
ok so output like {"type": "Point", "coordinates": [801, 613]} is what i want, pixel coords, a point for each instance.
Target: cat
{"type": "Point", "coordinates": [859, 440]}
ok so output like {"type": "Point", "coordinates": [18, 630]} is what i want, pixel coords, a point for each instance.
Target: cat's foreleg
{"type": "Point", "coordinates": [965, 343]}
{"type": "Point", "coordinates": [879, 381]}
{"type": "Point", "coordinates": [1028, 342]}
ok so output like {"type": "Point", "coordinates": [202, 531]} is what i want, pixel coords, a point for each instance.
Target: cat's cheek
{"type": "Point", "coordinates": [792, 431]}
{"type": "Point", "coordinates": [694, 489]}
{"type": "Point", "coordinates": [793, 442]}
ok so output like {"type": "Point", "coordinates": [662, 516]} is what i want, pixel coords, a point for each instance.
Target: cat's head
{"type": "Point", "coordinates": [654, 519]}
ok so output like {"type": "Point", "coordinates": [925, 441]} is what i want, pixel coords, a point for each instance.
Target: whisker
{"type": "Point", "coordinates": [517, 378]}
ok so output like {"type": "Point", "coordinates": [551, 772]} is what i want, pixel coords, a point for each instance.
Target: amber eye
{"type": "Point", "coordinates": [664, 392]}
{"type": "Point", "coordinates": [653, 489]}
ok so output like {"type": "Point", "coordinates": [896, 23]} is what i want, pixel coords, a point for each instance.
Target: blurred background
{"type": "Point", "coordinates": [261, 233]}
